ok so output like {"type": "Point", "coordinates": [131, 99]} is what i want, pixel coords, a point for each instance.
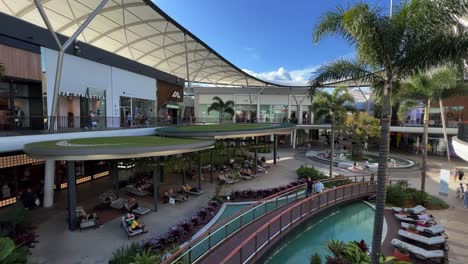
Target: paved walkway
{"type": "Point", "coordinates": [58, 245]}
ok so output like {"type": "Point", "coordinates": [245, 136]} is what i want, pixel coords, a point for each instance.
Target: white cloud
{"type": "Point", "coordinates": [282, 76]}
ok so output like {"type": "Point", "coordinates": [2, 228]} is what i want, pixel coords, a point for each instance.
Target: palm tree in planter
{"type": "Point", "coordinates": [222, 107]}
{"type": "Point", "coordinates": [416, 37]}
{"type": "Point", "coordinates": [425, 88]}
{"type": "Point", "coordinates": [332, 106]}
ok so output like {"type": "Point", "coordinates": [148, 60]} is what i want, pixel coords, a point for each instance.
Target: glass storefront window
{"type": "Point", "coordinates": [136, 112]}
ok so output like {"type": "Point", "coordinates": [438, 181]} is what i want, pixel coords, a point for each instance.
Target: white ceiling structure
{"type": "Point", "coordinates": [137, 30]}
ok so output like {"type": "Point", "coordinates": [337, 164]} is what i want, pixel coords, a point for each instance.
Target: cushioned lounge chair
{"type": "Point", "coordinates": [197, 192]}
{"type": "Point", "coordinates": [409, 219]}
{"type": "Point", "coordinates": [136, 191]}
{"type": "Point", "coordinates": [433, 230]}
{"type": "Point", "coordinates": [415, 210]}
{"type": "Point", "coordinates": [437, 255]}
{"type": "Point", "coordinates": [227, 180]}
{"type": "Point", "coordinates": [133, 232]}
{"type": "Point", "coordinates": [436, 241]}
{"type": "Point", "coordinates": [118, 203]}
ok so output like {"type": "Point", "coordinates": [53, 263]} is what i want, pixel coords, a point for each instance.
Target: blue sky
{"type": "Point", "coordinates": [271, 39]}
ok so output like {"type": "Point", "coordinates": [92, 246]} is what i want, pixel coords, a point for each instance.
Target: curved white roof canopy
{"type": "Point", "coordinates": [137, 30]}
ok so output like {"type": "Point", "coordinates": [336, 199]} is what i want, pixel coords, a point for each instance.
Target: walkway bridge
{"type": "Point", "coordinates": [245, 236]}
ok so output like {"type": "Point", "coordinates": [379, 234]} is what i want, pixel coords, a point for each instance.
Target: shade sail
{"type": "Point", "coordinates": [137, 30]}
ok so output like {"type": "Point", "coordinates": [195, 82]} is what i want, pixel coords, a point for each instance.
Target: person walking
{"type": "Point", "coordinates": [465, 197]}
{"type": "Point", "coordinates": [310, 184]}
{"type": "Point", "coordinates": [319, 187]}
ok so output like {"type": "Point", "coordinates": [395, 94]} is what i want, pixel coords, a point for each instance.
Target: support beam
{"type": "Point", "coordinates": [114, 174]}
{"type": "Point", "coordinates": [294, 138]}
{"type": "Point", "coordinates": [211, 165]}
{"type": "Point", "coordinates": [61, 52]}
{"type": "Point", "coordinates": [188, 77]}
{"type": "Point", "coordinates": [155, 183]}
{"type": "Point", "coordinates": [275, 148]}
{"type": "Point", "coordinates": [161, 169]}
{"type": "Point", "coordinates": [256, 156]}
{"type": "Point", "coordinates": [71, 189]}
{"type": "Point", "coordinates": [444, 128]}
{"type": "Point", "coordinates": [184, 167]}
{"type": "Point", "coordinates": [48, 199]}
{"type": "Point", "coordinates": [200, 173]}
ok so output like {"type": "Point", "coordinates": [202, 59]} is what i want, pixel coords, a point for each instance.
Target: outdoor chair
{"type": "Point", "coordinates": [437, 256]}
{"type": "Point", "coordinates": [223, 178]}
{"type": "Point", "coordinates": [191, 190]}
{"type": "Point", "coordinates": [139, 211]}
{"type": "Point", "coordinates": [118, 203]}
{"type": "Point", "coordinates": [88, 223]}
{"type": "Point", "coordinates": [244, 177]}
{"type": "Point", "coordinates": [409, 219]}
{"type": "Point", "coordinates": [136, 191]}
{"type": "Point", "coordinates": [436, 241]}
{"type": "Point", "coordinates": [430, 230]}
{"type": "Point", "coordinates": [415, 210]}
{"type": "Point", "coordinates": [131, 233]}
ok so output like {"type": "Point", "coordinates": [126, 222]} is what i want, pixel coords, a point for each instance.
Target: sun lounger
{"type": "Point", "coordinates": [141, 210]}
{"type": "Point", "coordinates": [131, 233]}
{"type": "Point", "coordinates": [415, 210]}
{"type": "Point", "coordinates": [136, 191]}
{"type": "Point", "coordinates": [197, 192]}
{"type": "Point", "coordinates": [223, 178]}
{"type": "Point", "coordinates": [420, 252]}
{"type": "Point", "coordinates": [409, 219]}
{"type": "Point", "coordinates": [436, 241]}
{"type": "Point", "coordinates": [118, 203]}
{"type": "Point", "coordinates": [433, 230]}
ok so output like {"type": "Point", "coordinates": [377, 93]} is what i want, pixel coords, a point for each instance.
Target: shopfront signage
{"type": "Point", "coordinates": [90, 96]}
{"type": "Point", "coordinates": [176, 94]}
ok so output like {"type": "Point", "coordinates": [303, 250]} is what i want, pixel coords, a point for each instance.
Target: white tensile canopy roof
{"type": "Point", "coordinates": [137, 30]}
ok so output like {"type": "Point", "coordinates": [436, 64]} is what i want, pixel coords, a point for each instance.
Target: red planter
{"type": "Point", "coordinates": [400, 256]}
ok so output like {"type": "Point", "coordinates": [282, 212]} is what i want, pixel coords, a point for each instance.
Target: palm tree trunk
{"type": "Point", "coordinates": [424, 147]}
{"type": "Point", "coordinates": [384, 149]}
{"type": "Point", "coordinates": [444, 128]}
{"type": "Point", "coordinates": [332, 145]}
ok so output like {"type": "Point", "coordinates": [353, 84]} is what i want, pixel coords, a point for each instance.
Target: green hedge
{"type": "Point", "coordinates": [303, 172]}
{"type": "Point", "coordinates": [399, 195]}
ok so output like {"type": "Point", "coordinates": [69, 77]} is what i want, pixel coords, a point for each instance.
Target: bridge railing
{"type": "Point", "coordinates": [198, 247]}
{"type": "Point", "coordinates": [249, 247]}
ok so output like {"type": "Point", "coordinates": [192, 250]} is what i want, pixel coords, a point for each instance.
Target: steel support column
{"type": "Point", "coordinates": [184, 166]}
{"type": "Point", "coordinates": [155, 183]}
{"type": "Point", "coordinates": [211, 165]}
{"type": "Point", "coordinates": [256, 155]}
{"type": "Point", "coordinates": [61, 51]}
{"type": "Point", "coordinates": [275, 148]}
{"type": "Point", "coordinates": [71, 186]}
{"type": "Point", "coordinates": [188, 77]}
{"type": "Point", "coordinates": [161, 169]}
{"type": "Point", "coordinates": [114, 175]}
{"type": "Point", "coordinates": [200, 173]}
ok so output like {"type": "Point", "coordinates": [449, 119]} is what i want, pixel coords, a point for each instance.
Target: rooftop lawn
{"type": "Point", "coordinates": [114, 142]}
{"type": "Point", "coordinates": [223, 127]}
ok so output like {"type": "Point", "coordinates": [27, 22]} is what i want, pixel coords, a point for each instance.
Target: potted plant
{"type": "Point", "coordinates": [401, 253]}
{"type": "Point", "coordinates": [412, 228]}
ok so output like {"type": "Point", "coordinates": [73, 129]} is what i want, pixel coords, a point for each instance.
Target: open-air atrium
{"type": "Point", "coordinates": [125, 138]}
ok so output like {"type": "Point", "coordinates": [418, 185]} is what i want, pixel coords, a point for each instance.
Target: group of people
{"type": "Point", "coordinates": [313, 187]}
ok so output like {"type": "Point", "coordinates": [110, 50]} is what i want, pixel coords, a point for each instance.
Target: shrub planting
{"type": "Point", "coordinates": [303, 172]}
{"type": "Point", "coordinates": [399, 195]}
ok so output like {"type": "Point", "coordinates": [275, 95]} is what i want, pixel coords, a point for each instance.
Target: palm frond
{"type": "Point", "coordinates": [230, 111]}
{"type": "Point", "coordinates": [215, 106]}
{"type": "Point", "coordinates": [341, 70]}
{"type": "Point", "coordinates": [405, 107]}
{"type": "Point", "coordinates": [218, 100]}
{"type": "Point", "coordinates": [229, 103]}
{"type": "Point", "coordinates": [331, 23]}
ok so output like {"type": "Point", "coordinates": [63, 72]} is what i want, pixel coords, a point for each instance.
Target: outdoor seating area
{"type": "Point", "coordinates": [420, 237]}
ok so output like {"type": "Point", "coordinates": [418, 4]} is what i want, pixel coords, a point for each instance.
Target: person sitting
{"type": "Point", "coordinates": [132, 223]}
{"type": "Point", "coordinates": [245, 172]}
{"type": "Point", "coordinates": [422, 217]}
{"type": "Point", "coordinates": [131, 205]}
{"type": "Point", "coordinates": [355, 167]}
{"type": "Point", "coordinates": [189, 188]}
{"type": "Point", "coordinates": [166, 197]}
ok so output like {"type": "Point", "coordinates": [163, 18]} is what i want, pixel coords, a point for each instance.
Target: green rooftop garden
{"type": "Point", "coordinates": [223, 127]}
{"type": "Point", "coordinates": [114, 142]}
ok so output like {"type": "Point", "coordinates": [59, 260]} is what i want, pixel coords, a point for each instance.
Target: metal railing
{"type": "Point", "coordinates": [285, 220]}
{"type": "Point", "coordinates": [212, 237]}
{"type": "Point", "coordinates": [436, 123]}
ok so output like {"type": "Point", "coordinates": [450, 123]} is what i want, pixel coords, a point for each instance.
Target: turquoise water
{"type": "Point", "coordinates": [230, 210]}
{"type": "Point", "coordinates": [350, 222]}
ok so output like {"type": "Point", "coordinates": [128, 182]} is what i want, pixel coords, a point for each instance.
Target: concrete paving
{"type": "Point", "coordinates": [58, 245]}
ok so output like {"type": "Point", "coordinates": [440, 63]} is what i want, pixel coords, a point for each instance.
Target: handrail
{"type": "Point", "coordinates": [268, 224]}
{"type": "Point", "coordinates": [224, 223]}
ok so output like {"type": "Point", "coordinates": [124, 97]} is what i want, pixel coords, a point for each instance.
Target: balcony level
{"type": "Point", "coordinates": [460, 142]}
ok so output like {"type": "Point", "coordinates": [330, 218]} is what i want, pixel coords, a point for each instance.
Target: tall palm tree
{"type": "Point", "coordinates": [425, 88]}
{"type": "Point", "coordinates": [418, 36]}
{"type": "Point", "coordinates": [222, 107]}
{"type": "Point", "coordinates": [333, 106]}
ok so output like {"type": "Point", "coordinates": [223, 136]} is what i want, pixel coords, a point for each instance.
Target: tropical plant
{"type": "Point", "coordinates": [425, 88]}
{"type": "Point", "coordinates": [125, 254]}
{"type": "Point", "coordinates": [417, 36]}
{"type": "Point", "coordinates": [6, 248]}
{"type": "Point", "coordinates": [335, 247]}
{"type": "Point", "coordinates": [145, 257]}
{"type": "Point", "coordinates": [315, 259]}
{"type": "Point", "coordinates": [222, 107]}
{"type": "Point", "coordinates": [303, 172]}
{"type": "Point", "coordinates": [361, 127]}
{"type": "Point", "coordinates": [334, 106]}
{"type": "Point", "coordinates": [401, 248]}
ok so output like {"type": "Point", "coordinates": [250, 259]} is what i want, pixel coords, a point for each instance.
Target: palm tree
{"type": "Point", "coordinates": [426, 88]}
{"type": "Point", "coordinates": [333, 106]}
{"type": "Point", "coordinates": [221, 107]}
{"type": "Point", "coordinates": [417, 36]}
